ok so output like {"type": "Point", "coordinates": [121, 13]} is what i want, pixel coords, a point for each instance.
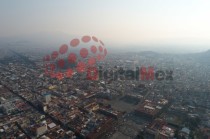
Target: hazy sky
{"type": "Point", "coordinates": [122, 22]}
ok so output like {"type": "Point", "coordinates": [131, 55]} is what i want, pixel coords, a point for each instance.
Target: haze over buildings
{"type": "Point", "coordinates": [158, 25]}
{"type": "Point", "coordinates": [151, 79]}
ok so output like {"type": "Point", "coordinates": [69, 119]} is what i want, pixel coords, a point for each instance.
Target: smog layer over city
{"type": "Point", "coordinates": [105, 69]}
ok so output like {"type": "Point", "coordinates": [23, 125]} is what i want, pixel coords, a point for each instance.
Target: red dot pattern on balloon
{"type": "Point", "coordinates": [101, 42]}
{"type": "Point", "coordinates": [61, 63]}
{"type": "Point", "coordinates": [92, 73]}
{"type": "Point", "coordinates": [47, 69]}
{"type": "Point", "coordinates": [72, 58]}
{"type": "Point", "coordinates": [93, 49]}
{"type": "Point", "coordinates": [91, 61]}
{"type": "Point", "coordinates": [100, 48]}
{"type": "Point", "coordinates": [63, 49]}
{"type": "Point", "coordinates": [84, 52]}
{"type": "Point", "coordinates": [99, 57]}
{"type": "Point", "coordinates": [74, 42]}
{"type": "Point", "coordinates": [81, 67]}
{"type": "Point", "coordinates": [52, 67]}
{"type": "Point", "coordinates": [86, 39]}
{"type": "Point", "coordinates": [95, 39]}
{"type": "Point", "coordinates": [59, 75]}
{"type": "Point", "coordinates": [69, 73]}
{"type": "Point", "coordinates": [54, 55]}
{"type": "Point", "coordinates": [96, 54]}
{"type": "Point", "coordinates": [105, 52]}
{"type": "Point", "coordinates": [102, 57]}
